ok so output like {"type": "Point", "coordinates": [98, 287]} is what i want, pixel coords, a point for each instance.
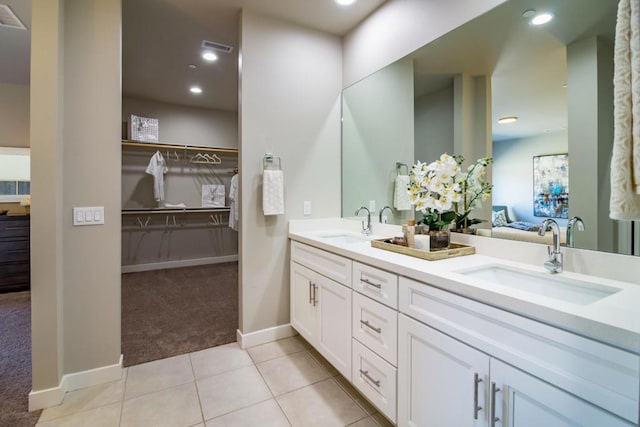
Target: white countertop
{"type": "Point", "coordinates": [614, 320]}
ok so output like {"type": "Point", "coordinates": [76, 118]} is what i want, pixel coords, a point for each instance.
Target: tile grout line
{"type": "Point", "coordinates": [195, 382]}
{"type": "Point", "coordinates": [273, 396]}
{"type": "Point", "coordinates": [123, 394]}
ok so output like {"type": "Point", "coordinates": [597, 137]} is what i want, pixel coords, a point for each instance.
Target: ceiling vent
{"type": "Point", "coordinates": [9, 19]}
{"type": "Point", "coordinates": [206, 44]}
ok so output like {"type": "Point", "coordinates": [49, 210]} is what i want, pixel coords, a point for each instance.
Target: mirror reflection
{"type": "Point", "coordinates": [449, 95]}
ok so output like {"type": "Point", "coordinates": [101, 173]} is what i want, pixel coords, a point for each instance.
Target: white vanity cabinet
{"type": "Point", "coordinates": [320, 306]}
{"type": "Point", "coordinates": [456, 361]}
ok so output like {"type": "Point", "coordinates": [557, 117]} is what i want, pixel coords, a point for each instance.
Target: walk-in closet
{"type": "Point", "coordinates": [179, 182]}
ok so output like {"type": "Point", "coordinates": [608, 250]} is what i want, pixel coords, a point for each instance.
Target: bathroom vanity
{"type": "Point", "coordinates": [469, 341]}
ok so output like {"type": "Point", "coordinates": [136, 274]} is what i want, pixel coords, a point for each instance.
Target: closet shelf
{"type": "Point", "coordinates": [172, 210]}
{"type": "Point", "coordinates": [162, 146]}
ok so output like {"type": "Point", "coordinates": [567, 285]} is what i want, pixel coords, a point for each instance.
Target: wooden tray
{"type": "Point", "coordinates": [454, 250]}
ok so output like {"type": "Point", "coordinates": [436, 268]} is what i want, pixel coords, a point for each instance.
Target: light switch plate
{"type": "Point", "coordinates": [307, 207]}
{"type": "Point", "coordinates": [372, 205]}
{"type": "Point", "coordinates": [88, 215]}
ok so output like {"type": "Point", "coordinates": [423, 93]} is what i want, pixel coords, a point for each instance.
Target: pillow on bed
{"type": "Point", "coordinates": [523, 225]}
{"type": "Point", "coordinates": [498, 219]}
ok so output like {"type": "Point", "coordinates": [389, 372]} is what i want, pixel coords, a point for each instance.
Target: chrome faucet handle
{"type": "Point", "coordinates": [576, 222]}
{"type": "Point", "coordinates": [389, 208]}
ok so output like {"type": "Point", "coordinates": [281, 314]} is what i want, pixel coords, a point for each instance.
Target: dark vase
{"type": "Point", "coordinates": [439, 239]}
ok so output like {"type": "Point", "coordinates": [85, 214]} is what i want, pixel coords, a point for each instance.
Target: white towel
{"type": "Point", "coordinates": [157, 168]}
{"type": "Point", "coordinates": [233, 196]}
{"type": "Point", "coordinates": [273, 192]}
{"type": "Point", "coordinates": [401, 196]}
{"type": "Point", "coordinates": [625, 161]}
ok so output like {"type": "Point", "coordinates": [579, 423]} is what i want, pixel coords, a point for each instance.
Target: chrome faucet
{"type": "Point", "coordinates": [554, 262]}
{"type": "Point", "coordinates": [577, 222]}
{"type": "Point", "coordinates": [365, 230]}
{"type": "Point", "coordinates": [382, 211]}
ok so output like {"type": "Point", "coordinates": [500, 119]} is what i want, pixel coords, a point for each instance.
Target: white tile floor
{"type": "Point", "coordinates": [283, 383]}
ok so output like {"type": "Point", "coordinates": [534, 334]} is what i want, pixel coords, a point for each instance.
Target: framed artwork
{"type": "Point", "coordinates": [551, 186]}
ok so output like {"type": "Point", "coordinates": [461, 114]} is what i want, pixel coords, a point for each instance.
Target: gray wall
{"type": "Point", "coordinates": [181, 125]}
{"type": "Point", "coordinates": [14, 115]}
{"type": "Point", "coordinates": [290, 106]}
{"type": "Point", "coordinates": [377, 132]}
{"type": "Point", "coordinates": [434, 125]}
{"type": "Point", "coordinates": [398, 28]}
{"type": "Point", "coordinates": [75, 119]}
{"type": "Point", "coordinates": [513, 172]}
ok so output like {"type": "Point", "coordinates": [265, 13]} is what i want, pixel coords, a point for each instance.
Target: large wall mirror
{"type": "Point", "coordinates": [448, 96]}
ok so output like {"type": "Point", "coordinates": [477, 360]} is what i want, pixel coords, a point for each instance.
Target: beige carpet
{"type": "Point", "coordinates": [177, 311]}
{"type": "Point", "coordinates": [15, 360]}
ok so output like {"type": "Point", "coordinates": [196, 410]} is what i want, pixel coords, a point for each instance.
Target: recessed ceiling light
{"type": "Point", "coordinates": [564, 85]}
{"type": "Point", "coordinates": [209, 56]}
{"type": "Point", "coordinates": [193, 66]}
{"type": "Point", "coordinates": [345, 2]}
{"type": "Point", "coordinates": [195, 89]}
{"type": "Point", "coordinates": [507, 119]}
{"type": "Point", "coordinates": [528, 13]}
{"type": "Point", "coordinates": [541, 19]}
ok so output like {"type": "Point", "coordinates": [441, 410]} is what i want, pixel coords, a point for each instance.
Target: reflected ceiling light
{"type": "Point", "coordinates": [193, 66]}
{"type": "Point", "coordinates": [541, 18]}
{"type": "Point", "coordinates": [345, 2]}
{"type": "Point", "coordinates": [507, 119]}
{"type": "Point", "coordinates": [207, 55]}
{"type": "Point", "coordinates": [195, 89]}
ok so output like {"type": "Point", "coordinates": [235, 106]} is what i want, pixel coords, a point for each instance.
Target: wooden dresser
{"type": "Point", "coordinates": [15, 273]}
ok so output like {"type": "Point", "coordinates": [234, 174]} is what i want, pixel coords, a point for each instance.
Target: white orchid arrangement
{"type": "Point", "coordinates": [444, 193]}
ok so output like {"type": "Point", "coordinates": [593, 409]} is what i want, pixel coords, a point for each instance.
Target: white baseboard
{"type": "Point", "coordinates": [53, 396]}
{"type": "Point", "coordinates": [135, 268]}
{"type": "Point", "coordinates": [264, 336]}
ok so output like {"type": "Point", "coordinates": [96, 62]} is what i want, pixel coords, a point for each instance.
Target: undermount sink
{"type": "Point", "coordinates": [344, 239]}
{"type": "Point", "coordinates": [559, 287]}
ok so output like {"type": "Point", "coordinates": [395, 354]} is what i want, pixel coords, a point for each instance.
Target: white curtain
{"type": "Point", "coordinates": [625, 162]}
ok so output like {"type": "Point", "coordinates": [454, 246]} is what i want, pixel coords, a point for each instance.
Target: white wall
{"type": "Point", "coordinates": [14, 115]}
{"type": "Point", "coordinates": [399, 27]}
{"type": "Point", "coordinates": [290, 106]}
{"type": "Point", "coordinates": [434, 125]}
{"type": "Point", "coordinates": [377, 132]}
{"type": "Point", "coordinates": [513, 172]}
{"type": "Point", "coordinates": [181, 125]}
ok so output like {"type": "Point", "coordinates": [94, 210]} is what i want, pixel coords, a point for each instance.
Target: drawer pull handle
{"type": "Point", "coordinates": [17, 228]}
{"type": "Point", "coordinates": [370, 283]}
{"type": "Point", "coordinates": [366, 375]}
{"type": "Point", "coordinates": [494, 391]}
{"type": "Point", "coordinates": [476, 408]}
{"type": "Point", "coordinates": [315, 294]}
{"type": "Point", "coordinates": [17, 251]}
{"type": "Point", "coordinates": [310, 297]}
{"type": "Point", "coordinates": [370, 326]}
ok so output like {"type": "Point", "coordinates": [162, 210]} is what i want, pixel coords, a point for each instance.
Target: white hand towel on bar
{"type": "Point", "coordinates": [273, 192]}
{"type": "Point", "coordinates": [625, 160]}
{"type": "Point", "coordinates": [401, 196]}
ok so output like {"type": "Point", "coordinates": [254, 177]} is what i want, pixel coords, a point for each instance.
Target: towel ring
{"type": "Point", "coordinates": [270, 161]}
{"type": "Point", "coordinates": [399, 168]}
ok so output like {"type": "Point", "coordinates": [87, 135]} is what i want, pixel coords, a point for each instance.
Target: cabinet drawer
{"type": "Point", "coordinates": [375, 378]}
{"type": "Point", "coordinates": [329, 265]}
{"type": "Point", "coordinates": [378, 284]}
{"type": "Point", "coordinates": [14, 250]}
{"type": "Point", "coordinates": [376, 326]}
{"type": "Point", "coordinates": [598, 373]}
{"type": "Point", "coordinates": [11, 274]}
{"type": "Point", "coordinates": [14, 228]}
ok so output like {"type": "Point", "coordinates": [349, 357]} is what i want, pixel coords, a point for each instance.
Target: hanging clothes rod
{"type": "Point", "coordinates": [172, 211]}
{"type": "Point", "coordinates": [178, 147]}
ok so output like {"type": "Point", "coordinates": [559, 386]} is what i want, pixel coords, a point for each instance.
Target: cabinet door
{"type": "Point", "coordinates": [437, 379]}
{"type": "Point", "coordinates": [523, 400]}
{"type": "Point", "coordinates": [303, 311]}
{"type": "Point", "coordinates": [333, 338]}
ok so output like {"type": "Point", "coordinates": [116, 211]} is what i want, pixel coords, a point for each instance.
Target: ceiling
{"type": "Point", "coordinates": [527, 64]}
{"type": "Point", "coordinates": [15, 45]}
{"type": "Point", "coordinates": [161, 37]}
